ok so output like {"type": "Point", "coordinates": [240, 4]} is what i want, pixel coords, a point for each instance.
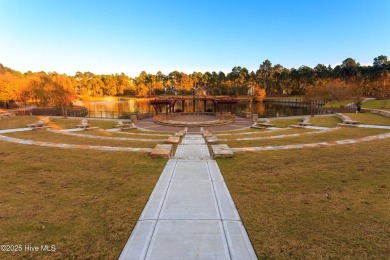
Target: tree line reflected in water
{"type": "Point", "coordinates": [115, 107]}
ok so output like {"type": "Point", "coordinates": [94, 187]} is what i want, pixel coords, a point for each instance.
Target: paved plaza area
{"type": "Point", "coordinates": [190, 214]}
{"type": "Point", "coordinates": [239, 123]}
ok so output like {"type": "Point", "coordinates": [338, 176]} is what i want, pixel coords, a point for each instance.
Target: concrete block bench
{"type": "Point", "coordinates": [222, 151]}
{"type": "Point", "coordinates": [125, 126]}
{"type": "Point", "coordinates": [173, 140]}
{"type": "Point", "coordinates": [262, 125]}
{"type": "Point", "coordinates": [212, 140]}
{"type": "Point", "coordinates": [162, 150]}
{"type": "Point", "coordinates": [40, 125]}
{"type": "Point", "coordinates": [346, 120]}
{"type": "Point", "coordinates": [86, 125]}
{"type": "Point", "coordinates": [305, 122]}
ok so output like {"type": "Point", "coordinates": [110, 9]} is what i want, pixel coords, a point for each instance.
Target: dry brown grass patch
{"type": "Point", "coordinates": [85, 203]}
{"type": "Point", "coordinates": [318, 203]}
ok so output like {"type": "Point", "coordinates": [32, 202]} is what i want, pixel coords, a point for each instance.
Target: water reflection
{"type": "Point", "coordinates": [114, 107]}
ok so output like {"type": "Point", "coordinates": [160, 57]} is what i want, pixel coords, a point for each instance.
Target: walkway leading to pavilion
{"type": "Point", "coordinates": [190, 214]}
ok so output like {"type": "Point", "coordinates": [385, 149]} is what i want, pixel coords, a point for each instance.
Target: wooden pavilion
{"type": "Point", "coordinates": [168, 104]}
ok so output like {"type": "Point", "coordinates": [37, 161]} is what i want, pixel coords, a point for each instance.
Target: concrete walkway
{"type": "Point", "coordinates": [190, 214]}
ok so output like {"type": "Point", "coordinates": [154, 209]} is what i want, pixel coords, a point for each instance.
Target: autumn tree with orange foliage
{"type": "Point", "coordinates": [257, 93]}
{"type": "Point", "coordinates": [62, 92]}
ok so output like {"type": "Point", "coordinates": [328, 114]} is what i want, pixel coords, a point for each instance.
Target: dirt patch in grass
{"type": "Point", "coordinates": [285, 122]}
{"type": "Point", "coordinates": [86, 203]}
{"type": "Point", "coordinates": [47, 136]}
{"type": "Point", "coordinates": [370, 119]}
{"type": "Point", "coordinates": [325, 121]}
{"type": "Point", "coordinates": [18, 121]}
{"type": "Point", "coordinates": [318, 203]}
{"type": "Point", "coordinates": [339, 134]}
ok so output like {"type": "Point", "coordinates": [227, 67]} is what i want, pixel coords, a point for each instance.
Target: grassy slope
{"type": "Point", "coordinates": [85, 203]}
{"type": "Point", "coordinates": [339, 134]}
{"type": "Point", "coordinates": [266, 133]}
{"type": "Point", "coordinates": [285, 122]}
{"type": "Point", "coordinates": [47, 136]}
{"type": "Point", "coordinates": [370, 119]}
{"type": "Point", "coordinates": [326, 121]}
{"type": "Point", "coordinates": [377, 104]}
{"type": "Point", "coordinates": [317, 203]}
{"type": "Point", "coordinates": [18, 122]}
{"type": "Point", "coordinates": [337, 104]}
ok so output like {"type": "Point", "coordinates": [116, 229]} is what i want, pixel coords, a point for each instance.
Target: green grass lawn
{"type": "Point", "coordinates": [151, 132]}
{"type": "Point", "coordinates": [241, 131]}
{"type": "Point", "coordinates": [370, 119]}
{"type": "Point", "coordinates": [325, 121]}
{"type": "Point", "coordinates": [47, 136]}
{"type": "Point", "coordinates": [285, 122]}
{"type": "Point", "coordinates": [56, 123]}
{"type": "Point", "coordinates": [377, 104]}
{"type": "Point", "coordinates": [265, 134]}
{"type": "Point", "coordinates": [86, 203]}
{"type": "Point", "coordinates": [339, 134]}
{"type": "Point", "coordinates": [337, 104]}
{"type": "Point", "coordinates": [62, 123]}
{"type": "Point", "coordinates": [123, 134]}
{"type": "Point", "coordinates": [317, 203]}
{"type": "Point", "coordinates": [18, 121]}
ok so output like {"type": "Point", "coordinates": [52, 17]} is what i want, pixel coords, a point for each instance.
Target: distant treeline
{"type": "Point", "coordinates": [44, 88]}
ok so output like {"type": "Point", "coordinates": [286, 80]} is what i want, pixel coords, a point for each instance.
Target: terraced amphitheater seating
{"type": "Point", "coordinates": [40, 125]}
{"type": "Point", "coordinates": [347, 121]}
{"type": "Point", "coordinates": [125, 126]}
{"type": "Point", "coordinates": [174, 120]}
{"type": "Point", "coordinates": [86, 125]}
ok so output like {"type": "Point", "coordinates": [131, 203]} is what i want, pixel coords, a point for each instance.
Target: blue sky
{"type": "Point", "coordinates": [107, 37]}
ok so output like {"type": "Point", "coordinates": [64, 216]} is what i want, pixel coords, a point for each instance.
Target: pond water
{"type": "Point", "coordinates": [114, 107]}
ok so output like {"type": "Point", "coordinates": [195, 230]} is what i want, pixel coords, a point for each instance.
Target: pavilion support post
{"type": "Point", "coordinates": [182, 105]}
{"type": "Point", "coordinates": [193, 105]}
{"type": "Point", "coordinates": [204, 105]}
